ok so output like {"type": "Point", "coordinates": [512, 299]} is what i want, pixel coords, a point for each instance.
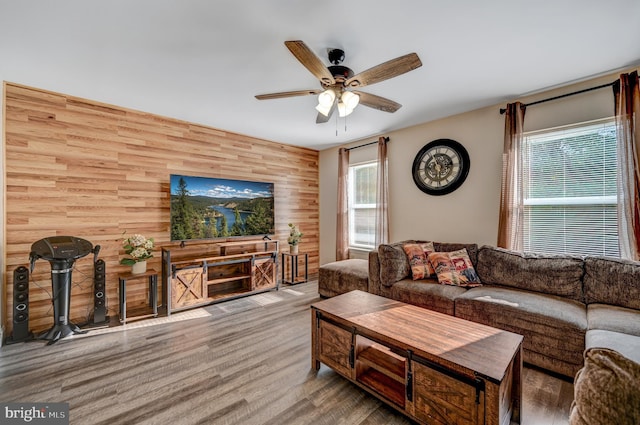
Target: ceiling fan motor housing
{"type": "Point", "coordinates": [341, 73]}
{"type": "Point", "coordinates": [336, 56]}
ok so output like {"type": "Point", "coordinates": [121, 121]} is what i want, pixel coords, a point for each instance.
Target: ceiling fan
{"type": "Point", "coordinates": [338, 81]}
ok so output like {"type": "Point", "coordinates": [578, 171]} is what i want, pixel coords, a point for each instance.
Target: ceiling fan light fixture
{"type": "Point", "coordinates": [350, 100]}
{"type": "Point", "coordinates": [343, 109]}
{"type": "Point", "coordinates": [324, 110]}
{"type": "Point", "coordinates": [326, 98]}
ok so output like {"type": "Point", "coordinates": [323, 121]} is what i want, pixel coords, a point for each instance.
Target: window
{"type": "Point", "coordinates": [569, 190]}
{"type": "Point", "coordinates": [362, 205]}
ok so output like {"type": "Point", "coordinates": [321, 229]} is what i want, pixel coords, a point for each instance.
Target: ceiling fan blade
{"type": "Point", "coordinates": [287, 94]}
{"type": "Point", "coordinates": [321, 118]}
{"type": "Point", "coordinates": [384, 71]}
{"type": "Point", "coordinates": [309, 59]}
{"type": "Point", "coordinates": [377, 102]}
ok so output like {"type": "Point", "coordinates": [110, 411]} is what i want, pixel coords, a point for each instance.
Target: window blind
{"type": "Point", "coordinates": [569, 190]}
{"type": "Point", "coordinates": [362, 208]}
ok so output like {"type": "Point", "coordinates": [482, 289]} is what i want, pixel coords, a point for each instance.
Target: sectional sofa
{"type": "Point", "coordinates": [561, 304]}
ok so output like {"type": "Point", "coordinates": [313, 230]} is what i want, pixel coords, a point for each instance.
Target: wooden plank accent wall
{"type": "Point", "coordinates": [81, 168]}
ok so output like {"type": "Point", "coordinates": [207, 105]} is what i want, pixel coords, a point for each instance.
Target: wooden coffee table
{"type": "Point", "coordinates": [435, 368]}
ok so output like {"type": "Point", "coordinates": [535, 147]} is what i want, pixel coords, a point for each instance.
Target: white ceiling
{"type": "Point", "coordinates": [203, 60]}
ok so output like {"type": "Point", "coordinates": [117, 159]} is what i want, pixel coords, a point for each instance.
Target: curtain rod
{"type": "Point", "coordinates": [386, 139]}
{"type": "Point", "coordinates": [503, 110]}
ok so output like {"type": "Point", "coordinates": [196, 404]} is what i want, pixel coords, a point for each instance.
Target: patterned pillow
{"type": "Point", "coordinates": [454, 268]}
{"type": "Point", "coordinates": [417, 255]}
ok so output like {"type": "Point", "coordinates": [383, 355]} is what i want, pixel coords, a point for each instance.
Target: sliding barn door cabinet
{"type": "Point", "coordinates": [204, 273]}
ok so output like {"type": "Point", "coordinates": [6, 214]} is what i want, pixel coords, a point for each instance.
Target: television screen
{"type": "Point", "coordinates": [206, 207]}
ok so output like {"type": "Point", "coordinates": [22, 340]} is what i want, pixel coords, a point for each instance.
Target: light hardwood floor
{"type": "Point", "coordinates": [245, 361]}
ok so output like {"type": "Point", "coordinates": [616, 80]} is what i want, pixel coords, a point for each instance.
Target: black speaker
{"type": "Point", "coordinates": [99, 292]}
{"type": "Point", "coordinates": [20, 306]}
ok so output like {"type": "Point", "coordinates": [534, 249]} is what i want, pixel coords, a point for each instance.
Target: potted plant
{"type": "Point", "coordinates": [139, 248]}
{"type": "Point", "coordinates": [294, 238]}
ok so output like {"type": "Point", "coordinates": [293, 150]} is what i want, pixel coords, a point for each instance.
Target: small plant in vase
{"type": "Point", "coordinates": [294, 238]}
{"type": "Point", "coordinates": [139, 248]}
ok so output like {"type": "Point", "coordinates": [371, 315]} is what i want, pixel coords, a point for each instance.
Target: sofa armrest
{"type": "Point", "coordinates": [374, 273]}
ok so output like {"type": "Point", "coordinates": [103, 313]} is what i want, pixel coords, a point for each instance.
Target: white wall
{"type": "Point", "coordinates": [470, 214]}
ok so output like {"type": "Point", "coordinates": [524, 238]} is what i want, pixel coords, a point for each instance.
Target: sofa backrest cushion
{"type": "Point", "coordinates": [549, 274]}
{"type": "Point", "coordinates": [394, 264]}
{"type": "Point", "coordinates": [472, 249]}
{"type": "Point", "coordinates": [612, 281]}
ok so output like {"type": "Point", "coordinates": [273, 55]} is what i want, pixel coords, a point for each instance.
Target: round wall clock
{"type": "Point", "coordinates": [441, 167]}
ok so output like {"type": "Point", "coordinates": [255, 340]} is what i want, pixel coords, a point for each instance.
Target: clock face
{"type": "Point", "coordinates": [441, 167]}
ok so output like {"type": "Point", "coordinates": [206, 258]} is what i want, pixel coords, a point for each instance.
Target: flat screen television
{"type": "Point", "coordinates": [209, 208]}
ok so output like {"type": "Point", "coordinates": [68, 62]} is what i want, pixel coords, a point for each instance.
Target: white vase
{"type": "Point", "coordinates": [139, 267]}
{"type": "Point", "coordinates": [293, 249]}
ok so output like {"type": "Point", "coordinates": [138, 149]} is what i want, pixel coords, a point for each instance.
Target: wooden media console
{"type": "Point", "coordinates": [203, 273]}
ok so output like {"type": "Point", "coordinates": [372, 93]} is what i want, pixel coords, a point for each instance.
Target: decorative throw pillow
{"type": "Point", "coordinates": [417, 255]}
{"type": "Point", "coordinates": [454, 268]}
{"type": "Point", "coordinates": [606, 390]}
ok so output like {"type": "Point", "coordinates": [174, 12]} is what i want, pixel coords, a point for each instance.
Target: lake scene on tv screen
{"type": "Point", "coordinates": [206, 208]}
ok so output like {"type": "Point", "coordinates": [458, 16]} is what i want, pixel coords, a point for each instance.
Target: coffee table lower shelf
{"type": "Point", "coordinates": [355, 335]}
{"type": "Point", "coordinates": [384, 386]}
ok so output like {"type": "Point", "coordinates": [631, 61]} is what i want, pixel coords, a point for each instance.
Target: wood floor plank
{"type": "Point", "coordinates": [243, 362]}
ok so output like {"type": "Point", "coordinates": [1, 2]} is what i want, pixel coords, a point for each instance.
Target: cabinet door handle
{"type": "Point", "coordinates": [175, 269]}
{"type": "Point", "coordinates": [352, 351]}
{"type": "Point", "coordinates": [352, 356]}
{"type": "Point", "coordinates": [409, 386]}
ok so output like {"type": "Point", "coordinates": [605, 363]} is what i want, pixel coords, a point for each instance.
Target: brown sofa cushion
{"type": "Point", "coordinates": [552, 326]}
{"type": "Point", "coordinates": [343, 276]}
{"type": "Point", "coordinates": [606, 390]}
{"type": "Point", "coordinates": [394, 264]}
{"type": "Point", "coordinates": [614, 318]}
{"type": "Point", "coordinates": [612, 281]}
{"type": "Point", "coordinates": [625, 344]}
{"type": "Point", "coordinates": [427, 293]}
{"type": "Point", "coordinates": [559, 275]}
{"type": "Point", "coordinates": [472, 249]}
